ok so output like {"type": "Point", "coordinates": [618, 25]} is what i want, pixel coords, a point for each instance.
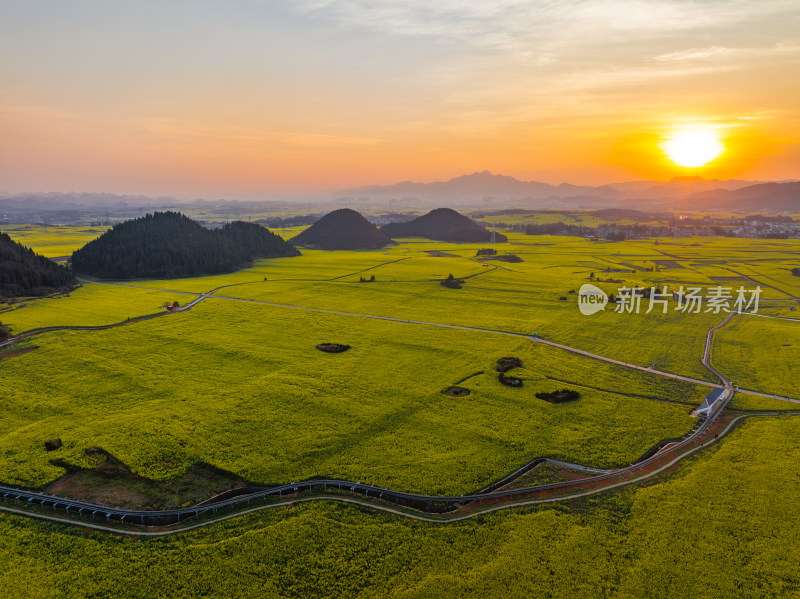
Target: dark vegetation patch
{"type": "Point", "coordinates": [24, 273]}
{"type": "Point", "coordinates": [170, 245]}
{"type": "Point", "coordinates": [443, 224]}
{"type": "Point", "coordinates": [333, 348]}
{"type": "Point", "coordinates": [561, 396]}
{"type": "Point", "coordinates": [111, 483]}
{"type": "Point", "coordinates": [16, 352]}
{"type": "Point", "coordinates": [796, 271]}
{"type": "Point", "coordinates": [669, 263]}
{"type": "Point", "coordinates": [451, 282]}
{"type": "Point", "coordinates": [614, 214]}
{"type": "Point", "coordinates": [506, 364]}
{"type": "Point", "coordinates": [509, 258]}
{"type": "Point", "coordinates": [513, 258]}
{"type": "Point", "coordinates": [469, 376]}
{"type": "Point", "coordinates": [52, 444]}
{"type": "Point", "coordinates": [559, 228]}
{"type": "Point", "coordinates": [292, 221]}
{"type": "Point", "coordinates": [456, 391]}
{"type": "Point", "coordinates": [438, 254]}
{"type": "Point", "coordinates": [509, 381]}
{"type": "Point", "coordinates": [727, 279]}
{"type": "Point", "coordinates": [343, 229]}
{"type": "Point", "coordinates": [617, 392]}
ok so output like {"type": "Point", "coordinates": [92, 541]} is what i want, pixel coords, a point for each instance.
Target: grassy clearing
{"type": "Point", "coordinates": [243, 388]}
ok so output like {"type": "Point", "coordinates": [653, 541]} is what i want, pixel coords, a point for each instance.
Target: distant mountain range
{"type": "Point", "coordinates": [678, 193]}
{"type": "Point", "coordinates": [478, 189]}
{"type": "Point", "coordinates": [53, 201]}
{"type": "Point", "coordinates": [780, 197]}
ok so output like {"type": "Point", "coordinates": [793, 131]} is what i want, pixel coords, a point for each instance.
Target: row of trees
{"type": "Point", "coordinates": [559, 228]}
{"type": "Point", "coordinates": [291, 221]}
{"type": "Point", "coordinates": [169, 244]}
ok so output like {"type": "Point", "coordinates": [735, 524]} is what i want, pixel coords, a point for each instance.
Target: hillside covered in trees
{"type": "Point", "coordinates": [169, 244]}
{"type": "Point", "coordinates": [442, 224]}
{"type": "Point", "coordinates": [342, 229]}
{"type": "Point", "coordinates": [24, 273]}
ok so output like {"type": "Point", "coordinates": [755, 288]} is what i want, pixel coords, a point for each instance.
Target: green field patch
{"type": "Point", "coordinates": [243, 388]}
{"type": "Point", "coordinates": [53, 241]}
{"type": "Point", "coordinates": [662, 540]}
{"type": "Point", "coordinates": [756, 403]}
{"type": "Point", "coordinates": [760, 354]}
{"type": "Point", "coordinates": [91, 304]}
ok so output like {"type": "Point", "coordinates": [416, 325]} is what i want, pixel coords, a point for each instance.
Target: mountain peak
{"type": "Point", "coordinates": [483, 175]}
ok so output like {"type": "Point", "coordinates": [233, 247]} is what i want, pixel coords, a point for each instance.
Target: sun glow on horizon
{"type": "Point", "coordinates": [693, 147]}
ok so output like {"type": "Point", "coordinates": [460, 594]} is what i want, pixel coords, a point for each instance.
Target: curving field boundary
{"type": "Point", "coordinates": [483, 508]}
{"type": "Point", "coordinates": [650, 465]}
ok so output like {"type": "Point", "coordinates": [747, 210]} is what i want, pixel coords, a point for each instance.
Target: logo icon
{"type": "Point", "coordinates": [591, 299]}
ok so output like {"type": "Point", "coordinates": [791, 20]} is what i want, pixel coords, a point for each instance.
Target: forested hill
{"type": "Point", "coordinates": [24, 273]}
{"type": "Point", "coordinates": [169, 245]}
{"type": "Point", "coordinates": [342, 229]}
{"type": "Point", "coordinates": [442, 224]}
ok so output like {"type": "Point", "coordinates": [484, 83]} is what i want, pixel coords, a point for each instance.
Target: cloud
{"type": "Point", "coordinates": [695, 54]}
{"type": "Point", "coordinates": [715, 52]}
{"type": "Point", "coordinates": [512, 24]}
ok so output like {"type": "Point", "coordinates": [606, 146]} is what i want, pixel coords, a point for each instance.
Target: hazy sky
{"type": "Point", "coordinates": [219, 96]}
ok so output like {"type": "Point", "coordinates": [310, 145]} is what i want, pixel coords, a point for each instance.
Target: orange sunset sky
{"type": "Point", "coordinates": [272, 97]}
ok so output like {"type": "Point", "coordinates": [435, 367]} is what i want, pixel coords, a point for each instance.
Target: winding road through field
{"type": "Point", "coordinates": [438, 508]}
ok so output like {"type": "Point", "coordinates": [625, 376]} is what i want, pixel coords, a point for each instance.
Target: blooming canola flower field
{"type": "Point", "coordinates": [236, 382]}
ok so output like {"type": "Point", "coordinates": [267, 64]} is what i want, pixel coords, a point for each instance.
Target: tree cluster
{"type": "Point", "coordinates": [451, 282]}
{"type": "Point", "coordinates": [333, 348]}
{"type": "Point", "coordinates": [559, 396]}
{"type": "Point", "coordinates": [796, 272]}
{"type": "Point", "coordinates": [291, 221]}
{"type": "Point", "coordinates": [169, 245]}
{"type": "Point", "coordinates": [559, 228]}
{"type": "Point", "coordinates": [509, 381]}
{"type": "Point", "coordinates": [509, 363]}
{"type": "Point", "coordinates": [23, 273]}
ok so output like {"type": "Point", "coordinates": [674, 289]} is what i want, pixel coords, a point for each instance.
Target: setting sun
{"type": "Point", "coordinates": [693, 147]}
